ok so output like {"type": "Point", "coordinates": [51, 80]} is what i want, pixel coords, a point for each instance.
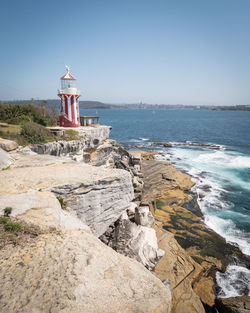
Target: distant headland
{"type": "Point", "coordinates": [133, 106]}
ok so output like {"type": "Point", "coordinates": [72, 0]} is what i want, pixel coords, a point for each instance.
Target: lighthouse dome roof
{"type": "Point", "coordinates": [68, 76]}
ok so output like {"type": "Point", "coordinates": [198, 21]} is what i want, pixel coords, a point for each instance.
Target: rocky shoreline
{"type": "Point", "coordinates": [73, 193]}
{"type": "Point", "coordinates": [176, 210]}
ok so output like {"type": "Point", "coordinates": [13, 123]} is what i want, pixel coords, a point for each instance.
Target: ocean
{"type": "Point", "coordinates": [213, 147]}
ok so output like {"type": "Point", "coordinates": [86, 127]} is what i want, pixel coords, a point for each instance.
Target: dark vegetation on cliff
{"type": "Point", "coordinates": [26, 123]}
{"type": "Point", "coordinates": [21, 113]}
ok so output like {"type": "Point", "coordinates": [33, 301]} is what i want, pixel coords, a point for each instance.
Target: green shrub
{"type": "Point", "coordinates": [16, 114]}
{"type": "Point", "coordinates": [61, 200]}
{"type": "Point", "coordinates": [4, 220]}
{"type": "Point", "coordinates": [35, 133]}
{"type": "Point", "coordinates": [7, 211]}
{"type": "Point", "coordinates": [12, 227]}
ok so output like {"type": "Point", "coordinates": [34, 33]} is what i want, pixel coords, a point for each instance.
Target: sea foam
{"type": "Point", "coordinates": [215, 175]}
{"type": "Point", "coordinates": [234, 282]}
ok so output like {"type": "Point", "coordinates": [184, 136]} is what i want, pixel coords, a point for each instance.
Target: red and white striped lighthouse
{"type": "Point", "coordinates": [69, 113]}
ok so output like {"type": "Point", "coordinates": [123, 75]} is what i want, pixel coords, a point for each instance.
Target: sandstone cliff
{"type": "Point", "coordinates": [70, 201]}
{"type": "Point", "coordinates": [66, 268]}
{"type": "Point", "coordinates": [97, 196]}
{"type": "Point", "coordinates": [92, 137]}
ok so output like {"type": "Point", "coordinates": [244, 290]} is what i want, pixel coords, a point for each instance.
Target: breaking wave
{"type": "Point", "coordinates": [234, 282]}
{"type": "Point", "coordinates": [223, 189]}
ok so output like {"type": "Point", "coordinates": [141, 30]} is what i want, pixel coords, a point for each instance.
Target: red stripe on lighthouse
{"type": "Point", "coordinates": [77, 111]}
{"type": "Point", "coordinates": [66, 105]}
{"type": "Point", "coordinates": [72, 110]}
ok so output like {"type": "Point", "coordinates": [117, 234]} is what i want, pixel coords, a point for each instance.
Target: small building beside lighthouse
{"type": "Point", "coordinates": [69, 94]}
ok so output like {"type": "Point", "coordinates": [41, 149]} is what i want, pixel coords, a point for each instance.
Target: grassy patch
{"type": "Point", "coordinates": [71, 134]}
{"type": "Point", "coordinates": [16, 232]}
{"type": "Point", "coordinates": [11, 132]}
{"type": "Point", "coordinates": [27, 133]}
{"type": "Point", "coordinates": [4, 220]}
{"type": "Point", "coordinates": [30, 133]}
{"type": "Point", "coordinates": [10, 129]}
{"type": "Point", "coordinates": [6, 168]}
{"type": "Point", "coordinates": [12, 226]}
{"type": "Point", "coordinates": [35, 133]}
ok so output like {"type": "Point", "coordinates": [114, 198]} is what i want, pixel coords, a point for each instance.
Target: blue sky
{"type": "Point", "coordinates": [179, 51]}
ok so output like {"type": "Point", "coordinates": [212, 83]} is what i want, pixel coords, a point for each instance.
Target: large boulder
{"type": "Point", "coordinates": [41, 209]}
{"type": "Point", "coordinates": [8, 145]}
{"type": "Point", "coordinates": [143, 216]}
{"type": "Point", "coordinates": [136, 241]}
{"type": "Point", "coordinates": [97, 196]}
{"type": "Point", "coordinates": [72, 271]}
{"type": "Point", "coordinates": [5, 159]}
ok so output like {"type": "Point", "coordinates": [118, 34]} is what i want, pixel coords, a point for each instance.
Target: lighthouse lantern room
{"type": "Point", "coordinates": [69, 94]}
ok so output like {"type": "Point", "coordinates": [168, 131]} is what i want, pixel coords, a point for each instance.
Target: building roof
{"type": "Point", "coordinates": [67, 76]}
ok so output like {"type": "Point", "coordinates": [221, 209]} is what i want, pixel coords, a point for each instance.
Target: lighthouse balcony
{"type": "Point", "coordinates": [69, 91]}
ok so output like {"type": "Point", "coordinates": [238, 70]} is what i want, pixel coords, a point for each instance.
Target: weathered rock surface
{"type": "Point", "coordinates": [234, 305]}
{"type": "Point", "coordinates": [205, 289]}
{"type": "Point", "coordinates": [175, 208]}
{"type": "Point", "coordinates": [155, 174]}
{"type": "Point", "coordinates": [8, 145]}
{"type": "Point", "coordinates": [103, 154]}
{"type": "Point", "coordinates": [5, 159]}
{"type": "Point", "coordinates": [97, 196]}
{"type": "Point", "coordinates": [98, 203]}
{"type": "Point", "coordinates": [92, 137]}
{"type": "Point", "coordinates": [136, 241]}
{"type": "Point", "coordinates": [162, 144]}
{"type": "Point", "coordinates": [178, 268]}
{"type": "Point", "coordinates": [41, 209]}
{"type": "Point", "coordinates": [25, 157]}
{"type": "Point", "coordinates": [72, 271]}
{"type": "Point", "coordinates": [130, 162]}
{"type": "Point", "coordinates": [143, 216]}
{"type": "Point", "coordinates": [187, 143]}
{"type": "Point", "coordinates": [69, 270]}
{"type": "Point", "coordinates": [111, 155]}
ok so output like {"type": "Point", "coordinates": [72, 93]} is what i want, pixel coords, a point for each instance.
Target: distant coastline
{"type": "Point", "coordinates": [142, 106]}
